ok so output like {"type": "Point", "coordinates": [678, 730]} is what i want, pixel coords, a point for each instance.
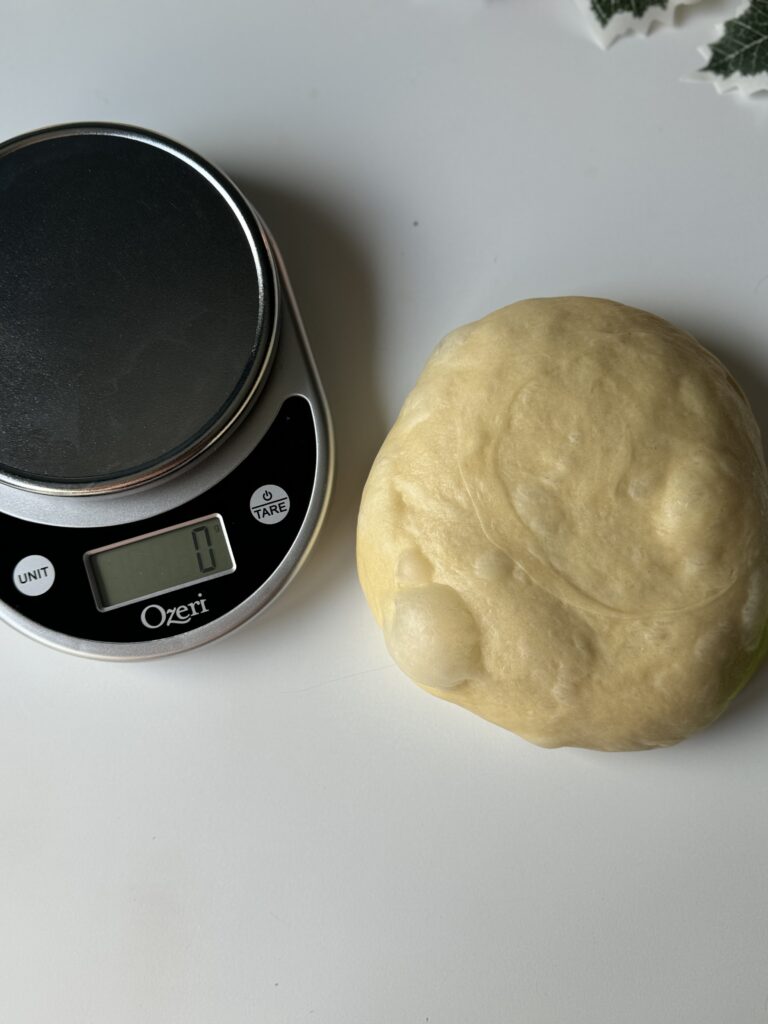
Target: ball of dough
{"type": "Point", "coordinates": [565, 530]}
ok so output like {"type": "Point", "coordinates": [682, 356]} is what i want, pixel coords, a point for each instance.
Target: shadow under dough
{"type": "Point", "coordinates": [329, 272]}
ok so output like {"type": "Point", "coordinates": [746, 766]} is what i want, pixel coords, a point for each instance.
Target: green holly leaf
{"type": "Point", "coordinates": [738, 58]}
{"type": "Point", "coordinates": [613, 18]}
{"type": "Point", "coordinates": [604, 10]}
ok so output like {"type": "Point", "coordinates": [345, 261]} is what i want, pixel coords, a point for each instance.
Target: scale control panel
{"type": "Point", "coordinates": [176, 571]}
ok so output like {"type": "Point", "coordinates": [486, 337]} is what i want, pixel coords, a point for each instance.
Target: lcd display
{"type": "Point", "coordinates": [159, 562]}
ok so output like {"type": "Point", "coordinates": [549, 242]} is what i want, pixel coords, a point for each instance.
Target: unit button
{"type": "Point", "coordinates": [270, 504]}
{"type": "Point", "coordinates": [34, 575]}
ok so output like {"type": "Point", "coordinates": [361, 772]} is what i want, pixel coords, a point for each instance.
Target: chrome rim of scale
{"type": "Point", "coordinates": [165, 446]}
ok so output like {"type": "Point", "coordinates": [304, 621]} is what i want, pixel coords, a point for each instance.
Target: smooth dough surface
{"type": "Point", "coordinates": [565, 530]}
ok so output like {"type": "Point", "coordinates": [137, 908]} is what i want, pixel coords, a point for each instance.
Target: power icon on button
{"type": "Point", "coordinates": [270, 504]}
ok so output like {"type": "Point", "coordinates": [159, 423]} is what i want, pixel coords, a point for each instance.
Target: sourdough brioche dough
{"type": "Point", "coordinates": [565, 531]}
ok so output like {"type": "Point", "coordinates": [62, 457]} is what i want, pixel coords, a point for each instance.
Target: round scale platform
{"type": "Point", "coordinates": [162, 427]}
{"type": "Point", "coordinates": [136, 310]}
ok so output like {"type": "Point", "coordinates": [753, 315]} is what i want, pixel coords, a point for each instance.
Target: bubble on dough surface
{"type": "Point", "coordinates": [493, 565]}
{"type": "Point", "coordinates": [433, 636]}
{"type": "Point", "coordinates": [413, 568]}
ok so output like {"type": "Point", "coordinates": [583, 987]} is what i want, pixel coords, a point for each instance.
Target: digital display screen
{"type": "Point", "coordinates": [159, 562]}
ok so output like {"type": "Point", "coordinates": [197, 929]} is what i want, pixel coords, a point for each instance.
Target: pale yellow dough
{"type": "Point", "coordinates": [565, 530]}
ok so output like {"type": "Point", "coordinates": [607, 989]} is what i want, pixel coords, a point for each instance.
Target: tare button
{"type": "Point", "coordinates": [270, 504]}
{"type": "Point", "coordinates": [34, 575]}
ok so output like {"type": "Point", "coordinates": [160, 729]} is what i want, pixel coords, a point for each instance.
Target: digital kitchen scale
{"type": "Point", "coordinates": [165, 446]}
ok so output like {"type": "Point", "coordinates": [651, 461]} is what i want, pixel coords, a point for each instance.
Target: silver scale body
{"type": "Point", "coordinates": [288, 369]}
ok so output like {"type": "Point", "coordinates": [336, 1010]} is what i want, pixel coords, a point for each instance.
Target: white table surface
{"type": "Point", "coordinates": [281, 827]}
